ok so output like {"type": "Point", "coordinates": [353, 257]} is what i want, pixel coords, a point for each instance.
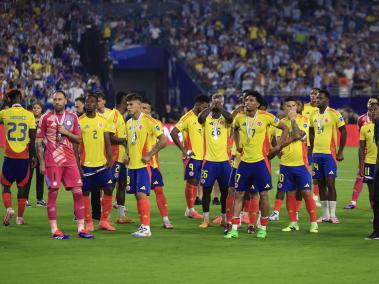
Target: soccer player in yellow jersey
{"type": "Point", "coordinates": [368, 150]}
{"type": "Point", "coordinates": [375, 208]}
{"type": "Point", "coordinates": [217, 123]}
{"type": "Point", "coordinates": [139, 130]}
{"type": "Point", "coordinates": [156, 175]}
{"type": "Point", "coordinates": [118, 141]}
{"type": "Point", "coordinates": [251, 137]}
{"type": "Point", "coordinates": [294, 169]}
{"type": "Point", "coordinates": [101, 109]}
{"type": "Point", "coordinates": [308, 110]}
{"type": "Point", "coordinates": [20, 132]}
{"type": "Point", "coordinates": [192, 150]}
{"type": "Point", "coordinates": [96, 194]}
{"type": "Point", "coordinates": [324, 124]}
{"type": "Point", "coordinates": [96, 161]}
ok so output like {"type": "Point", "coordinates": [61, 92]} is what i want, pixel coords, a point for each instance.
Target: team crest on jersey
{"type": "Point", "coordinates": [68, 123]}
{"type": "Point", "coordinates": [326, 120]}
{"type": "Point", "coordinates": [222, 122]}
{"type": "Point", "coordinates": [100, 125]}
{"type": "Point", "coordinates": [259, 123]}
{"type": "Point", "coordinates": [141, 126]}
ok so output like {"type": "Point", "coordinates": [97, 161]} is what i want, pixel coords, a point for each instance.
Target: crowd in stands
{"type": "Point", "coordinates": [272, 46]}
{"type": "Point", "coordinates": [39, 51]}
{"type": "Point", "coordinates": [275, 46]}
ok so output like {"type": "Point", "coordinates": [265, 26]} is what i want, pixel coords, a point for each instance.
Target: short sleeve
{"type": "Point", "coordinates": [157, 129]}
{"type": "Point", "coordinates": [109, 126]}
{"type": "Point", "coordinates": [112, 123]}
{"type": "Point", "coordinates": [32, 122]}
{"type": "Point", "coordinates": [76, 126]}
{"type": "Point", "coordinates": [339, 120]}
{"type": "Point", "coordinates": [274, 121]}
{"type": "Point", "coordinates": [182, 124]}
{"type": "Point", "coordinates": [362, 135]}
{"type": "Point", "coordinates": [236, 121]}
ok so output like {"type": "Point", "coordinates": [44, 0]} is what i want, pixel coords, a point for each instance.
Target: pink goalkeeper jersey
{"type": "Point", "coordinates": [58, 152]}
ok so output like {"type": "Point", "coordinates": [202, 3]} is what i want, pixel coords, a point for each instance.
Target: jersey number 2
{"type": "Point", "coordinates": [13, 127]}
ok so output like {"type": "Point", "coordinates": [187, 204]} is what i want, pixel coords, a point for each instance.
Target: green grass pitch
{"type": "Point", "coordinates": [188, 254]}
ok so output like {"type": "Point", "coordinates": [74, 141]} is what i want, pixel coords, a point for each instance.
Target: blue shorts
{"type": "Point", "coordinates": [103, 179]}
{"type": "Point", "coordinates": [256, 176]}
{"type": "Point", "coordinates": [118, 171]}
{"type": "Point", "coordinates": [232, 178]}
{"type": "Point", "coordinates": [310, 159]}
{"type": "Point", "coordinates": [292, 178]}
{"type": "Point", "coordinates": [192, 169]}
{"type": "Point", "coordinates": [15, 170]}
{"type": "Point", "coordinates": [156, 178]}
{"type": "Point", "coordinates": [213, 171]}
{"type": "Point", "coordinates": [324, 165]}
{"type": "Point", "coordinates": [139, 180]}
{"type": "Point", "coordinates": [369, 171]}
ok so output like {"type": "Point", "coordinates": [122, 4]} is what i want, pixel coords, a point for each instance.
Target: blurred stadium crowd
{"type": "Point", "coordinates": [272, 46]}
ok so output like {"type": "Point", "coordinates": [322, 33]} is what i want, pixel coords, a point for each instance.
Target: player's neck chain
{"type": "Point", "coordinates": [215, 126]}
{"type": "Point", "coordinates": [59, 122]}
{"type": "Point", "coordinates": [135, 127]}
{"type": "Point", "coordinates": [320, 120]}
{"type": "Point", "coordinates": [249, 128]}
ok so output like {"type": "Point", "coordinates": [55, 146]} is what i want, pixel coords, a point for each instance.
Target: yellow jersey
{"type": "Point", "coordinates": [192, 132]}
{"type": "Point", "coordinates": [296, 153]}
{"type": "Point", "coordinates": [106, 113]}
{"type": "Point", "coordinates": [139, 134]}
{"type": "Point", "coordinates": [254, 134]}
{"type": "Point", "coordinates": [92, 149]}
{"type": "Point", "coordinates": [216, 139]}
{"type": "Point", "coordinates": [17, 122]}
{"type": "Point", "coordinates": [308, 112]}
{"type": "Point", "coordinates": [152, 142]}
{"type": "Point", "coordinates": [117, 124]}
{"type": "Point", "coordinates": [367, 135]}
{"type": "Point", "coordinates": [325, 128]}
